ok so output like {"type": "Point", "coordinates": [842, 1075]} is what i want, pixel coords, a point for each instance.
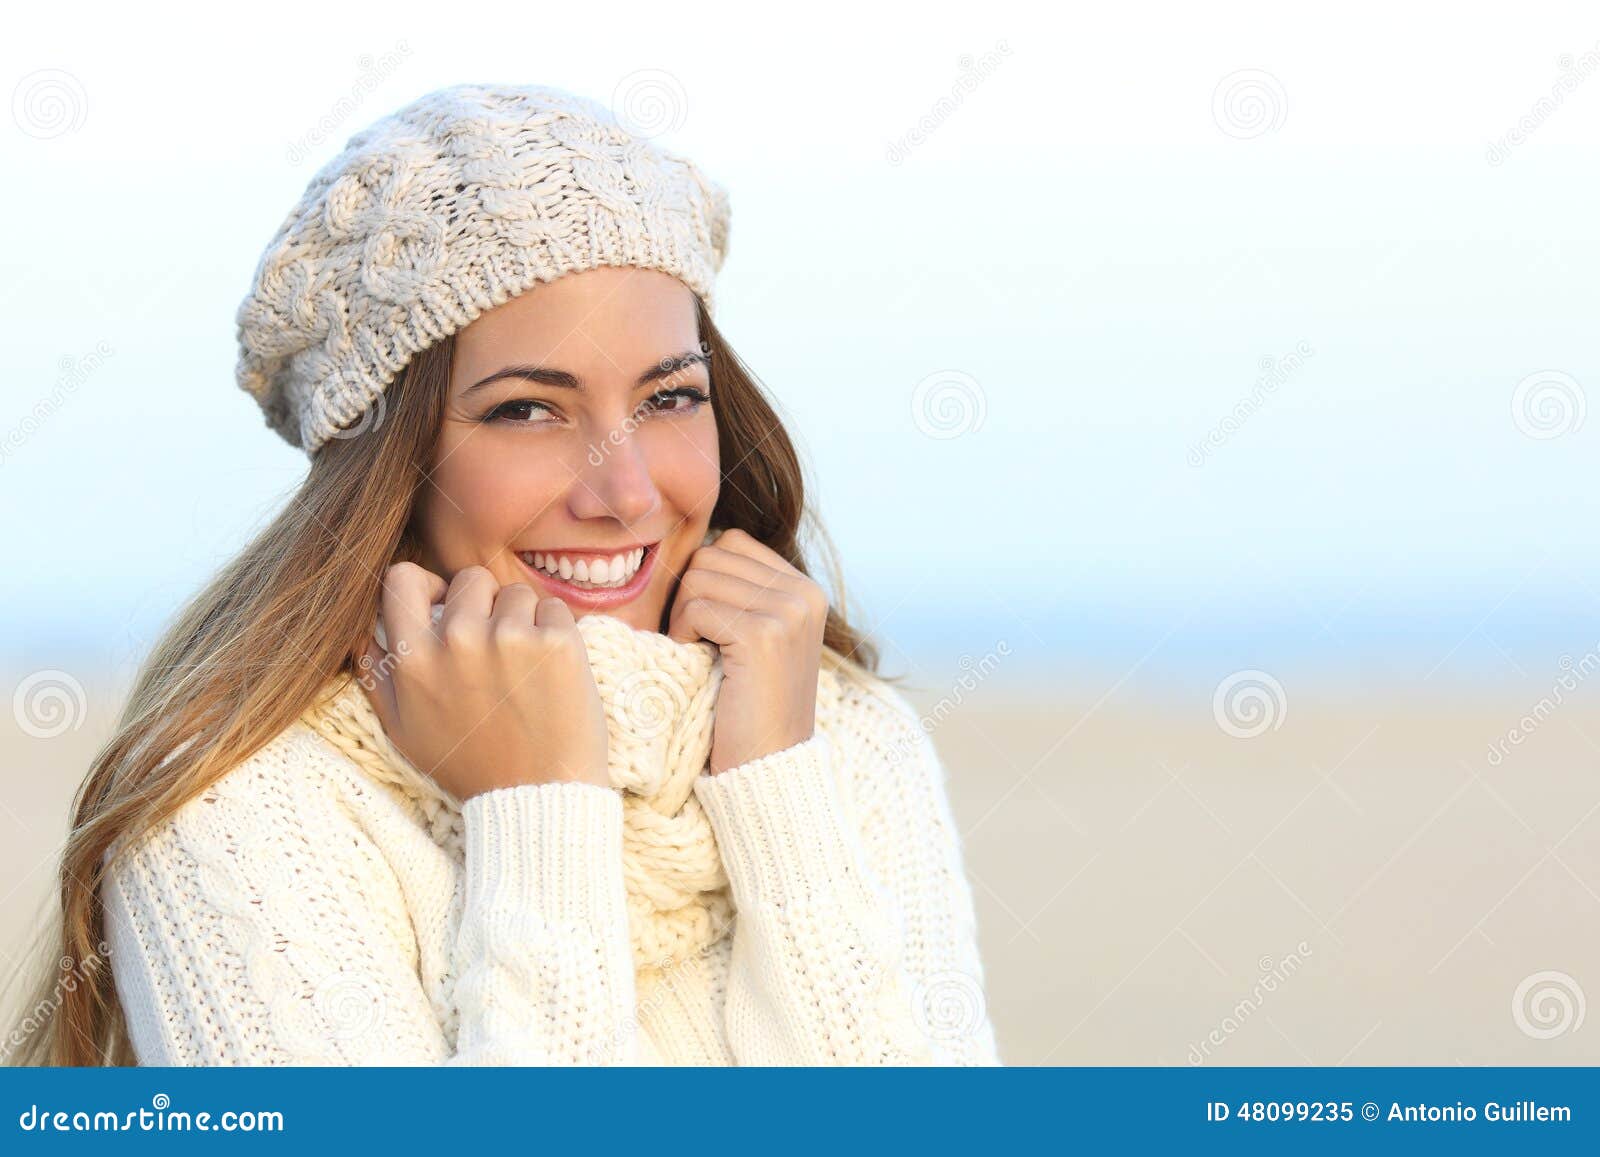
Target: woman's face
{"type": "Point", "coordinates": [573, 439]}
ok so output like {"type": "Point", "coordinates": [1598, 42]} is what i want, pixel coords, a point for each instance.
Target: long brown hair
{"type": "Point", "coordinates": [250, 652]}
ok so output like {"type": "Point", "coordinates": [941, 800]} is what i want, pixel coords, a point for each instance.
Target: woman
{"type": "Point", "coordinates": [431, 773]}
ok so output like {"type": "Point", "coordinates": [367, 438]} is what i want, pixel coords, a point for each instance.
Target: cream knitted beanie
{"type": "Point", "coordinates": [441, 211]}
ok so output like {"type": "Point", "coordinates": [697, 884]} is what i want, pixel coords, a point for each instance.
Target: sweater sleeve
{"type": "Point", "coordinates": [261, 926]}
{"type": "Point", "coordinates": [855, 941]}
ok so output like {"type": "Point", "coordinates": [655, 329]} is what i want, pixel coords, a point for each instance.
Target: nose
{"type": "Point", "coordinates": [614, 481]}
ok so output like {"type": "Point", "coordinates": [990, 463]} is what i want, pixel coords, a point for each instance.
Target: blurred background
{"type": "Point", "coordinates": [1198, 400]}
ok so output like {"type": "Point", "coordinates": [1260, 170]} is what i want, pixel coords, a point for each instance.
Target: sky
{"type": "Point", "coordinates": [1152, 340]}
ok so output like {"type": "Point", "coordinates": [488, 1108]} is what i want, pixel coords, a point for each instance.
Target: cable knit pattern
{"type": "Point", "coordinates": [441, 211]}
{"type": "Point", "coordinates": [326, 903]}
{"type": "Point", "coordinates": [658, 697]}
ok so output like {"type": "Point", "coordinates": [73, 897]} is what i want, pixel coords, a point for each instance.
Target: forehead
{"type": "Point", "coordinates": [605, 322]}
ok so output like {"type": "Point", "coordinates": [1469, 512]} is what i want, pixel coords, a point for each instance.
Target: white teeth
{"type": "Point", "coordinates": [613, 572]}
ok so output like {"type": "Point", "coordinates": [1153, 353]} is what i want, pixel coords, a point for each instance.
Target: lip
{"type": "Point", "coordinates": [594, 600]}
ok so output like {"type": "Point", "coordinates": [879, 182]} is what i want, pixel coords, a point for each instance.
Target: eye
{"type": "Point", "coordinates": [516, 412]}
{"type": "Point", "coordinates": [691, 398]}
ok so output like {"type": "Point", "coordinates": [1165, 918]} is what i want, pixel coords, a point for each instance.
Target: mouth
{"type": "Point", "coordinates": [589, 578]}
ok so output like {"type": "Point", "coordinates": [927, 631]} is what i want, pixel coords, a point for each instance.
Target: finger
{"type": "Point", "coordinates": [742, 543]}
{"type": "Point", "coordinates": [751, 569]}
{"type": "Point", "coordinates": [408, 594]}
{"type": "Point", "coordinates": [553, 612]}
{"type": "Point", "coordinates": [705, 618]}
{"type": "Point", "coordinates": [737, 592]}
{"type": "Point", "coordinates": [471, 595]}
{"type": "Point", "coordinates": [516, 602]}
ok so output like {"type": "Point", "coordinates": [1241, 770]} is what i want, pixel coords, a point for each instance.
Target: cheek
{"type": "Point", "coordinates": [684, 464]}
{"type": "Point", "coordinates": [478, 495]}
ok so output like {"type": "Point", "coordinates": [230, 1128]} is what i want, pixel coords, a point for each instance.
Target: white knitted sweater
{"type": "Point", "coordinates": [808, 907]}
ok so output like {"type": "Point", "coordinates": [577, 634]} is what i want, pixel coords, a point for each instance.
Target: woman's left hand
{"type": "Point", "coordinates": [767, 619]}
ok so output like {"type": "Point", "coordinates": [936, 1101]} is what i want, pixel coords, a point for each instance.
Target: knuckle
{"type": "Point", "coordinates": [512, 632]}
{"type": "Point", "coordinates": [794, 608]}
{"type": "Point", "coordinates": [460, 632]}
{"type": "Point", "coordinates": [402, 575]}
{"type": "Point", "coordinates": [768, 628]}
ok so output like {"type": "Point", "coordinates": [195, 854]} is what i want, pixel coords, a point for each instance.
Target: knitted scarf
{"type": "Point", "coordinates": [659, 697]}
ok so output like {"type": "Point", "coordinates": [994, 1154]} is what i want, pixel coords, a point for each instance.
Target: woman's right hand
{"type": "Point", "coordinates": [499, 694]}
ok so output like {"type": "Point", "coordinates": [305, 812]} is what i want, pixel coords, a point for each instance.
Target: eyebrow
{"type": "Point", "coordinates": [561, 379]}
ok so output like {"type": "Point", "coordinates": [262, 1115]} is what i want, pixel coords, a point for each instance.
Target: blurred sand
{"type": "Point", "coordinates": [1138, 870]}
